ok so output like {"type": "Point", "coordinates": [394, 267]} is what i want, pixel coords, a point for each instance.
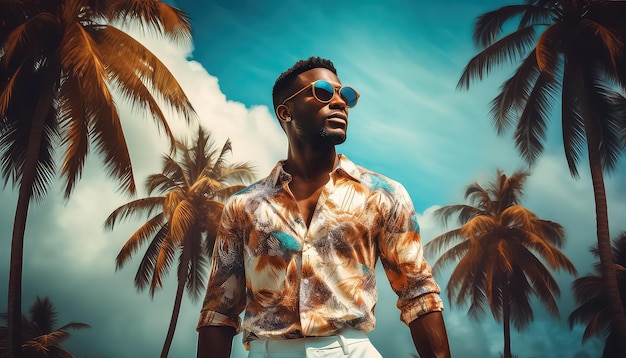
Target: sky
{"type": "Point", "coordinates": [411, 124]}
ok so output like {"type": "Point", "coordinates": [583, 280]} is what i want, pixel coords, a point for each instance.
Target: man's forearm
{"type": "Point", "coordinates": [429, 336]}
{"type": "Point", "coordinates": [215, 341]}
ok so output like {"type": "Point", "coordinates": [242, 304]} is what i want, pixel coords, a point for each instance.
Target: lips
{"type": "Point", "coordinates": [338, 117]}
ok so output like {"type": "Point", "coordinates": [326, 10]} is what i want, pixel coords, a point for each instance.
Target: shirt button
{"type": "Point", "coordinates": [306, 281]}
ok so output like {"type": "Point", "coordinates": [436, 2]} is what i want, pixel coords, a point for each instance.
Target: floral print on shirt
{"type": "Point", "coordinates": [295, 281]}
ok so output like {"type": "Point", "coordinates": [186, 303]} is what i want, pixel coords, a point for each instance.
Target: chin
{"type": "Point", "coordinates": [331, 137]}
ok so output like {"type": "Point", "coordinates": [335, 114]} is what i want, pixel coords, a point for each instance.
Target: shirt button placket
{"type": "Point", "coordinates": [305, 287]}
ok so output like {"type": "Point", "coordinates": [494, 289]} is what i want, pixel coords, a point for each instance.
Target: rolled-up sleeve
{"type": "Point", "coordinates": [401, 254]}
{"type": "Point", "coordinates": [225, 294]}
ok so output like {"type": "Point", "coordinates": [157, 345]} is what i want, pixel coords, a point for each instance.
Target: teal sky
{"type": "Point", "coordinates": [411, 124]}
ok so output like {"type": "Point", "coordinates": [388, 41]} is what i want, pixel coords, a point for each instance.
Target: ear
{"type": "Point", "coordinates": [282, 112]}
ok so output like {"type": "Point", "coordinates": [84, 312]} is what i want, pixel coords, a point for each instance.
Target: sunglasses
{"type": "Point", "coordinates": [324, 92]}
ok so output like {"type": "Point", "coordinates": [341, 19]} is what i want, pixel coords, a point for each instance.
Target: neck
{"type": "Point", "coordinates": [308, 164]}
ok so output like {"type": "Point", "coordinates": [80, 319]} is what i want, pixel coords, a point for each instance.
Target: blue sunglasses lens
{"type": "Point", "coordinates": [349, 95]}
{"type": "Point", "coordinates": [325, 91]}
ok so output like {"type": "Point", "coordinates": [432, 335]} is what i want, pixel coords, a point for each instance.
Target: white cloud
{"type": "Point", "coordinates": [254, 132]}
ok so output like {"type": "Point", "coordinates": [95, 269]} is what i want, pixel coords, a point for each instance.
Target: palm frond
{"type": "Point", "coordinates": [609, 108]}
{"type": "Point", "coordinates": [82, 59]}
{"type": "Point", "coordinates": [198, 264]}
{"type": "Point", "coordinates": [16, 136]}
{"type": "Point", "coordinates": [153, 15]}
{"type": "Point", "coordinates": [619, 249]}
{"type": "Point", "coordinates": [7, 90]}
{"type": "Point", "coordinates": [128, 69]}
{"type": "Point", "coordinates": [145, 271]}
{"type": "Point", "coordinates": [43, 315]}
{"type": "Point", "coordinates": [514, 92]}
{"type": "Point", "coordinates": [42, 342]}
{"type": "Point", "coordinates": [197, 157]}
{"type": "Point", "coordinates": [609, 40]}
{"type": "Point", "coordinates": [74, 325]}
{"type": "Point", "coordinates": [220, 160]}
{"type": "Point", "coordinates": [144, 205]}
{"type": "Point", "coordinates": [488, 26]}
{"type": "Point", "coordinates": [476, 228]}
{"type": "Point", "coordinates": [147, 68]}
{"type": "Point", "coordinates": [24, 42]}
{"type": "Point", "coordinates": [452, 255]}
{"type": "Point", "coordinates": [182, 220]}
{"type": "Point", "coordinates": [445, 212]}
{"type": "Point", "coordinates": [521, 311]}
{"type": "Point", "coordinates": [171, 202]}
{"type": "Point", "coordinates": [531, 128]}
{"type": "Point", "coordinates": [174, 22]}
{"type": "Point", "coordinates": [508, 49]}
{"type": "Point", "coordinates": [549, 46]}
{"type": "Point", "coordinates": [544, 286]}
{"type": "Point", "coordinates": [552, 232]}
{"type": "Point", "coordinates": [163, 183]}
{"type": "Point", "coordinates": [441, 242]}
{"type": "Point", "coordinates": [163, 262]}
{"type": "Point", "coordinates": [150, 228]}
{"type": "Point", "coordinates": [574, 138]}
{"type": "Point", "coordinates": [539, 13]}
{"type": "Point", "coordinates": [176, 171]}
{"type": "Point", "coordinates": [478, 196]}
{"type": "Point", "coordinates": [74, 126]}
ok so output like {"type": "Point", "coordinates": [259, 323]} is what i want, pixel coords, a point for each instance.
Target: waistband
{"type": "Point", "coordinates": [341, 339]}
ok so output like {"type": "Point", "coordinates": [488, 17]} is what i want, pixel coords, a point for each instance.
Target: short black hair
{"type": "Point", "coordinates": [286, 79]}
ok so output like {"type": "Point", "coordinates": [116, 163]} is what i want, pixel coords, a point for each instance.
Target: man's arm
{"type": "Point", "coordinates": [429, 336]}
{"type": "Point", "coordinates": [215, 341]}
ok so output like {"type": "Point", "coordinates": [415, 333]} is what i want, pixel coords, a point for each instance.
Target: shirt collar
{"type": "Point", "coordinates": [344, 167]}
{"type": "Point", "coordinates": [347, 167]}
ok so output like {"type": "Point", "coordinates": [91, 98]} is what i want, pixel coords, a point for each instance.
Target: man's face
{"type": "Point", "coordinates": [321, 124]}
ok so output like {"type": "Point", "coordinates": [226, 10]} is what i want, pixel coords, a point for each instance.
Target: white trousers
{"type": "Point", "coordinates": [349, 343]}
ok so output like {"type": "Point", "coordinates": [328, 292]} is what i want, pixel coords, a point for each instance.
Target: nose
{"type": "Point", "coordinates": [337, 101]}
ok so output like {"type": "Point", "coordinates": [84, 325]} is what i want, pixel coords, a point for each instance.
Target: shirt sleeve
{"type": "Point", "coordinates": [225, 294]}
{"type": "Point", "coordinates": [401, 254]}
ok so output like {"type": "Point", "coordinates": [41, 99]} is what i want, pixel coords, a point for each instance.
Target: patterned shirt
{"type": "Point", "coordinates": [295, 281]}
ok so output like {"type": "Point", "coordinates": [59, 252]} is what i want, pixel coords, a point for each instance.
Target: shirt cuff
{"type": "Point", "coordinates": [212, 318]}
{"type": "Point", "coordinates": [427, 303]}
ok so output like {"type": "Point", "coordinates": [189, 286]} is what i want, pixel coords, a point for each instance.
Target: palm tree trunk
{"type": "Point", "coordinates": [14, 310]}
{"type": "Point", "coordinates": [607, 268]}
{"type": "Point", "coordinates": [506, 318]}
{"type": "Point", "coordinates": [182, 280]}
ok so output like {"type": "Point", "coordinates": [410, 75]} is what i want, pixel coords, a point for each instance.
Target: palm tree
{"type": "Point", "coordinates": [61, 66]}
{"type": "Point", "coordinates": [39, 337]}
{"type": "Point", "coordinates": [193, 187]}
{"type": "Point", "coordinates": [497, 248]}
{"type": "Point", "coordinates": [593, 308]}
{"type": "Point", "coordinates": [575, 48]}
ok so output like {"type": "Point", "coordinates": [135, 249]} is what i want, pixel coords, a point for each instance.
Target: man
{"type": "Point", "coordinates": [297, 250]}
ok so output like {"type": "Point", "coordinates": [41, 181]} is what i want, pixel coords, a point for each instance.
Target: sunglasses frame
{"type": "Point", "coordinates": [312, 85]}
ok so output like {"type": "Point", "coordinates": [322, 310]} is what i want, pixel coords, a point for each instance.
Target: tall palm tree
{"type": "Point", "coordinates": [575, 48]}
{"type": "Point", "coordinates": [192, 188]}
{"type": "Point", "coordinates": [40, 337]}
{"type": "Point", "coordinates": [61, 66]}
{"type": "Point", "coordinates": [498, 248]}
{"type": "Point", "coordinates": [592, 300]}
